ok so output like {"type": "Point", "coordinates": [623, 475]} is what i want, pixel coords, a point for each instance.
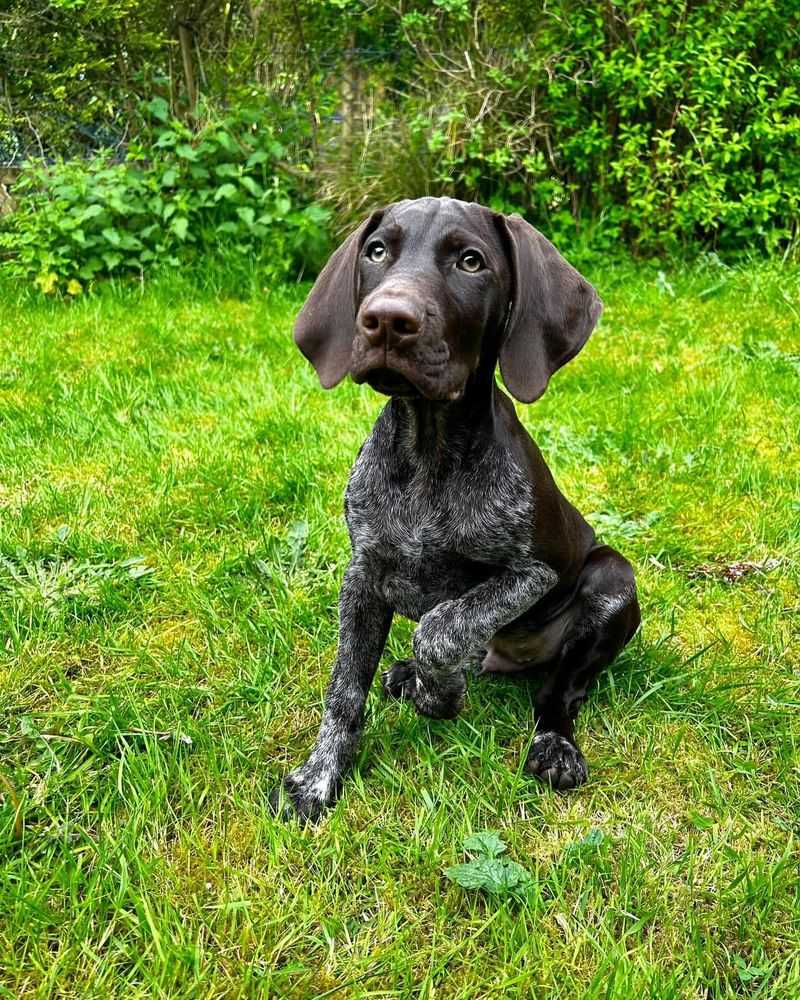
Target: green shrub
{"type": "Point", "coordinates": [178, 198]}
{"type": "Point", "coordinates": [663, 125]}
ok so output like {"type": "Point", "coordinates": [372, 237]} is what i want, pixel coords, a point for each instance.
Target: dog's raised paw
{"type": "Point", "coordinates": [436, 699]}
{"type": "Point", "coordinates": [400, 680]}
{"type": "Point", "coordinates": [557, 762]}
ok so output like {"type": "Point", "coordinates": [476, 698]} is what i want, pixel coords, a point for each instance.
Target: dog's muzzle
{"type": "Point", "coordinates": [398, 349]}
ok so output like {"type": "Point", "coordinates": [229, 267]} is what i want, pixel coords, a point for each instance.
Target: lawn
{"type": "Point", "coordinates": [170, 551]}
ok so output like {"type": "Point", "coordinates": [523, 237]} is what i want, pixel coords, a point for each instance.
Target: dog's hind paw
{"type": "Point", "coordinates": [557, 762]}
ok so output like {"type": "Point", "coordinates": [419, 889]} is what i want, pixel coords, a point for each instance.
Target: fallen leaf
{"type": "Point", "coordinates": [733, 572]}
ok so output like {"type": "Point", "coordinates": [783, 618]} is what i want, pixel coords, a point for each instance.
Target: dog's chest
{"type": "Point", "coordinates": [424, 538]}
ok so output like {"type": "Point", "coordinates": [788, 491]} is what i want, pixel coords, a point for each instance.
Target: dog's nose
{"type": "Point", "coordinates": [390, 320]}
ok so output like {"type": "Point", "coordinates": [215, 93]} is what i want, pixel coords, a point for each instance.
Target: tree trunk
{"type": "Point", "coordinates": [185, 37]}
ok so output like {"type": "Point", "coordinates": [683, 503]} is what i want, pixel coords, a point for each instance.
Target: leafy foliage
{"type": "Point", "coordinates": [487, 870]}
{"type": "Point", "coordinates": [664, 126]}
{"type": "Point", "coordinates": [487, 843]}
{"type": "Point", "coordinates": [660, 124]}
{"type": "Point", "coordinates": [224, 188]}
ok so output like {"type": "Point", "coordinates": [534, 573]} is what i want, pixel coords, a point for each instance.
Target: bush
{"type": "Point", "coordinates": [664, 125]}
{"type": "Point", "coordinates": [173, 200]}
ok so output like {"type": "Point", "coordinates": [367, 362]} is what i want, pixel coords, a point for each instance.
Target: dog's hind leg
{"type": "Point", "coordinates": [602, 619]}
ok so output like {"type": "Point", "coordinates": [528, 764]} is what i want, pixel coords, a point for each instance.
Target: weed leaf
{"type": "Point", "coordinates": [487, 843]}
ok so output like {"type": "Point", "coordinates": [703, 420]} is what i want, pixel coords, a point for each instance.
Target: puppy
{"type": "Point", "coordinates": [454, 518]}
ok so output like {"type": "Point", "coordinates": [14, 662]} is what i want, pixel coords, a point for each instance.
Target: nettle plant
{"type": "Point", "coordinates": [222, 189]}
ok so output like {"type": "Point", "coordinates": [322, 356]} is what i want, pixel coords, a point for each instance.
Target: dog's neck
{"type": "Point", "coordinates": [437, 434]}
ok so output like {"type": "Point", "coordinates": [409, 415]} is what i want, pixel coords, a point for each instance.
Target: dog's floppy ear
{"type": "Point", "coordinates": [325, 325]}
{"type": "Point", "coordinates": [553, 311]}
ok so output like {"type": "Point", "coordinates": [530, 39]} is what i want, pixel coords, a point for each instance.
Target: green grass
{"type": "Point", "coordinates": [147, 707]}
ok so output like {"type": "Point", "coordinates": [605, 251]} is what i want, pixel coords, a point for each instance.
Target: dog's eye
{"type": "Point", "coordinates": [376, 251]}
{"type": "Point", "coordinates": [470, 261]}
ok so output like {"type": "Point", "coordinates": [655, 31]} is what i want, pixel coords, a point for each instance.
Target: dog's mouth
{"type": "Point", "coordinates": [389, 382]}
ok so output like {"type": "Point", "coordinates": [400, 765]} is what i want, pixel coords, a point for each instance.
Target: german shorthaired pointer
{"type": "Point", "coordinates": [454, 518]}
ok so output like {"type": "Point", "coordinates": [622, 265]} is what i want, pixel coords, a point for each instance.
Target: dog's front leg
{"type": "Point", "coordinates": [450, 633]}
{"type": "Point", "coordinates": [364, 621]}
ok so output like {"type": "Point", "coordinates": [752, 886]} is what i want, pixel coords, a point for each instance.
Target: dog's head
{"type": "Point", "coordinates": [424, 290]}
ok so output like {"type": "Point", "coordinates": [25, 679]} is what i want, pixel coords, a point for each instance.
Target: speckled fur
{"type": "Point", "coordinates": [454, 520]}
